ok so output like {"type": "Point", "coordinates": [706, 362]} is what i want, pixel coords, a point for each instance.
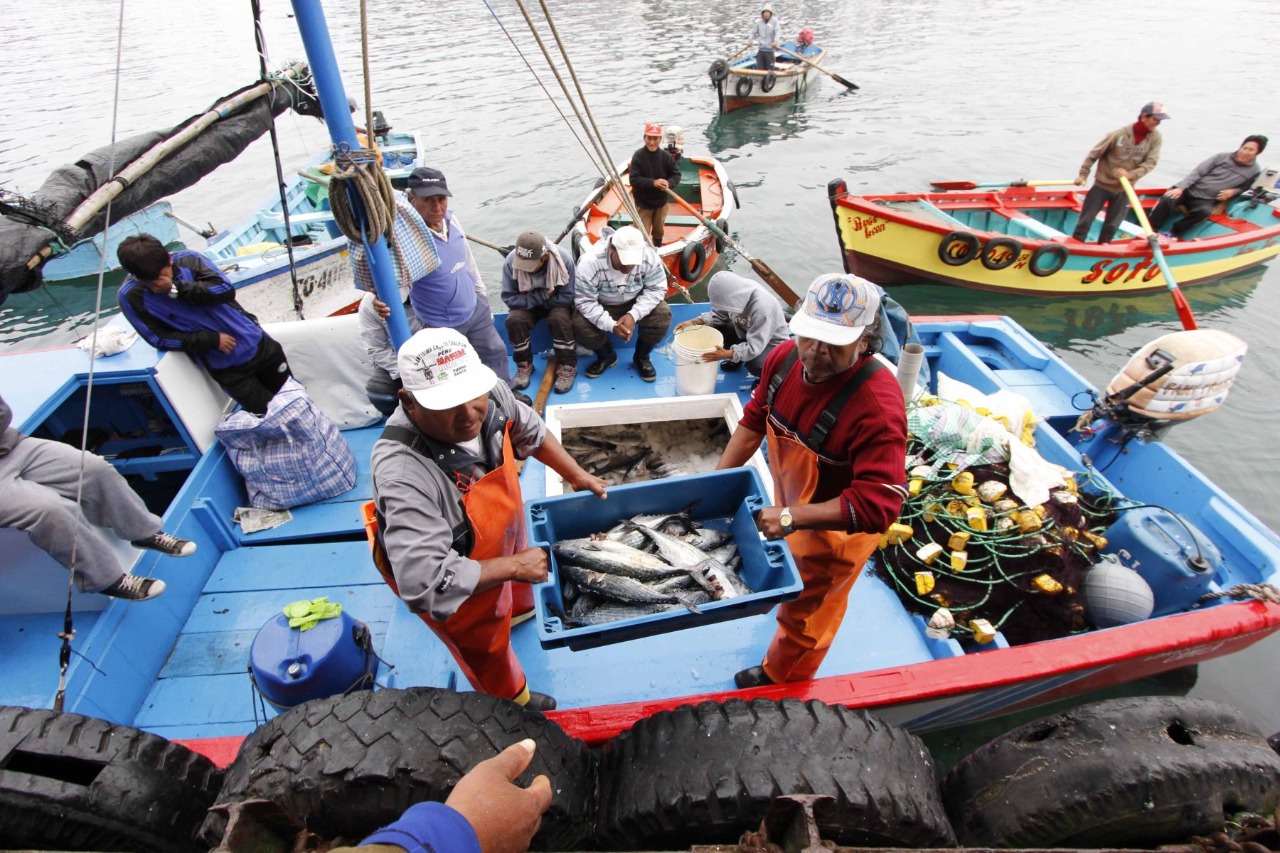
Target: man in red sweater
{"type": "Point", "coordinates": [837, 432]}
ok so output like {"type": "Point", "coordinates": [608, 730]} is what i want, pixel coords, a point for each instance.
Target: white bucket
{"type": "Point", "coordinates": [693, 375]}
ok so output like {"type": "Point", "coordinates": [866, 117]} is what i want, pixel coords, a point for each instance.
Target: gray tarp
{"type": "Point", "coordinates": [71, 184]}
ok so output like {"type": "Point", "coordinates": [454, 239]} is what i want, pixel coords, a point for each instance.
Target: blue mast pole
{"type": "Point", "coordinates": [337, 117]}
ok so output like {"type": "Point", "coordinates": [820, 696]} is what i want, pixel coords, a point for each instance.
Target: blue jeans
{"type": "Point", "coordinates": [484, 337]}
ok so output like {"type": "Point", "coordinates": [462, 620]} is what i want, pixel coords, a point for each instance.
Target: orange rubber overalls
{"type": "Point", "coordinates": [829, 562]}
{"type": "Point", "coordinates": [478, 634]}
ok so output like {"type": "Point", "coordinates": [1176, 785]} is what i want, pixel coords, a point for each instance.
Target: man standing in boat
{"type": "Point", "coordinates": [766, 35]}
{"type": "Point", "coordinates": [1129, 152]}
{"type": "Point", "coordinates": [1215, 181]}
{"type": "Point", "coordinates": [184, 302]}
{"type": "Point", "coordinates": [837, 431]}
{"type": "Point", "coordinates": [653, 171]}
{"type": "Point", "coordinates": [430, 251]}
{"type": "Point", "coordinates": [446, 493]}
{"type": "Point", "coordinates": [621, 290]}
{"type": "Point", "coordinates": [538, 284]}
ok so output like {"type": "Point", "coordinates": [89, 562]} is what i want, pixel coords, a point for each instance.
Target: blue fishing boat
{"type": "Point", "coordinates": [87, 257]}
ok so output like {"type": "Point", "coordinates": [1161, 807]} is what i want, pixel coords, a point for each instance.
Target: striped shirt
{"type": "Point", "coordinates": [599, 284]}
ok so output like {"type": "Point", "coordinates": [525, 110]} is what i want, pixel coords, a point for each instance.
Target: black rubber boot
{"type": "Point", "coordinates": [605, 358]}
{"type": "Point", "coordinates": [752, 677]}
{"type": "Point", "coordinates": [643, 365]}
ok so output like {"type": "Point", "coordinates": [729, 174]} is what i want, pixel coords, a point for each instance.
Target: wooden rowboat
{"type": "Point", "coordinates": [689, 249]}
{"type": "Point", "coordinates": [1016, 239]}
{"type": "Point", "coordinates": [738, 83]}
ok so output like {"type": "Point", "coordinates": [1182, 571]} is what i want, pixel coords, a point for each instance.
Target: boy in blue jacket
{"type": "Point", "coordinates": [184, 302]}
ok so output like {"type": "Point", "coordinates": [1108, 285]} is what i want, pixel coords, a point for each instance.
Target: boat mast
{"type": "Point", "coordinates": [337, 117]}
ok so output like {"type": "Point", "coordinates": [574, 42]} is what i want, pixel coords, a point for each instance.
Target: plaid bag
{"type": "Point", "coordinates": [291, 456]}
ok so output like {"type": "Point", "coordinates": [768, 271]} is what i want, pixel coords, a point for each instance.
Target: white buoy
{"type": "Point", "coordinates": [1116, 595]}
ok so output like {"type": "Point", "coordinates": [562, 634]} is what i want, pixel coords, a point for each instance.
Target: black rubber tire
{"type": "Point", "coordinates": [693, 260]}
{"type": "Point", "coordinates": [1274, 740]}
{"type": "Point", "coordinates": [1015, 251]}
{"type": "Point", "coordinates": [723, 225]}
{"type": "Point", "coordinates": [703, 774]}
{"type": "Point", "coordinates": [1134, 772]}
{"type": "Point", "coordinates": [1059, 253]}
{"type": "Point", "coordinates": [972, 248]}
{"type": "Point", "coordinates": [348, 765]}
{"type": "Point", "coordinates": [743, 87]}
{"type": "Point", "coordinates": [70, 782]}
{"type": "Point", "coordinates": [770, 80]}
{"type": "Point", "coordinates": [718, 70]}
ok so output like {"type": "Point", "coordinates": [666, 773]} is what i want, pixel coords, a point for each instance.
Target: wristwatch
{"type": "Point", "coordinates": [787, 522]}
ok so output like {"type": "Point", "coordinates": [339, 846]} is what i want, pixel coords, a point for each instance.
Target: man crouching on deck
{"type": "Point", "coordinates": [450, 516]}
{"type": "Point", "coordinates": [837, 432]}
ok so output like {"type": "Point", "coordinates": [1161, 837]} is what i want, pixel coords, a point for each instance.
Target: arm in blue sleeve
{"type": "Point", "coordinates": [429, 828]}
{"type": "Point", "coordinates": [199, 281]}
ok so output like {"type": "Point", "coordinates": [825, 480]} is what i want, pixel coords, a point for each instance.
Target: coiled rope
{"type": "Point", "coordinates": [1256, 591]}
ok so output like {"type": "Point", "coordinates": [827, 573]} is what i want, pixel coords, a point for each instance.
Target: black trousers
{"type": "Point", "coordinates": [255, 382]}
{"type": "Point", "coordinates": [1117, 205]}
{"type": "Point", "coordinates": [1198, 210]}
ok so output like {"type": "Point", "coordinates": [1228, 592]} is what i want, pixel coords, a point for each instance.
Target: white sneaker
{"type": "Point", "coordinates": [166, 543]}
{"type": "Point", "coordinates": [135, 588]}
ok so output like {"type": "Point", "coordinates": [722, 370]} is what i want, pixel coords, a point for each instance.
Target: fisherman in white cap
{"type": "Point", "coordinates": [837, 431]}
{"type": "Point", "coordinates": [450, 517]}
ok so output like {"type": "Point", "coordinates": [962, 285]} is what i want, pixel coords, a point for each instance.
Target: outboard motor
{"type": "Point", "coordinates": [804, 39]}
{"type": "Point", "coordinates": [1174, 378]}
{"type": "Point", "coordinates": [675, 142]}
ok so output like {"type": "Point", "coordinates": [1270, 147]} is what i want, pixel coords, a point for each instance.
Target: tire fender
{"type": "Point", "coordinates": [991, 250]}
{"type": "Point", "coordinates": [1056, 251]}
{"type": "Point", "coordinates": [718, 70]}
{"type": "Point", "coordinates": [723, 225]}
{"type": "Point", "coordinates": [693, 259]}
{"type": "Point", "coordinates": [743, 87]}
{"type": "Point", "coordinates": [958, 248]}
{"type": "Point", "coordinates": [770, 80]}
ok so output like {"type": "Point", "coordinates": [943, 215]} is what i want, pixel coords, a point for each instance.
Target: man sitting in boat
{"type": "Point", "coordinates": [184, 302]}
{"type": "Point", "coordinates": [538, 284]}
{"type": "Point", "coordinates": [1129, 152]}
{"type": "Point", "coordinates": [450, 515]}
{"type": "Point", "coordinates": [748, 316]}
{"type": "Point", "coordinates": [621, 289]}
{"type": "Point", "coordinates": [653, 171]}
{"type": "Point", "coordinates": [1217, 180]}
{"type": "Point", "coordinates": [766, 34]}
{"type": "Point", "coordinates": [429, 251]}
{"type": "Point", "coordinates": [837, 432]}
{"type": "Point", "coordinates": [39, 483]}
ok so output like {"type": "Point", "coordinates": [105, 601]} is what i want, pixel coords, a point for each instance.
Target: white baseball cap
{"type": "Point", "coordinates": [440, 368]}
{"type": "Point", "coordinates": [837, 309]}
{"type": "Point", "coordinates": [630, 245]}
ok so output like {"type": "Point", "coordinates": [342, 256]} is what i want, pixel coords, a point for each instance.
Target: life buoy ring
{"type": "Point", "coordinates": [1059, 253]}
{"type": "Point", "coordinates": [692, 261]}
{"type": "Point", "coordinates": [770, 80]}
{"type": "Point", "coordinates": [718, 70]}
{"type": "Point", "coordinates": [958, 248]}
{"type": "Point", "coordinates": [992, 257]}
{"type": "Point", "coordinates": [743, 88]}
{"type": "Point", "coordinates": [723, 225]}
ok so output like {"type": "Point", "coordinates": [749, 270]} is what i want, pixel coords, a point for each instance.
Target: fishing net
{"type": "Point", "coordinates": [972, 556]}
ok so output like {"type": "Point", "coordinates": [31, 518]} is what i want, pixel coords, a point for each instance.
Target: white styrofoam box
{"type": "Point", "coordinates": [576, 415]}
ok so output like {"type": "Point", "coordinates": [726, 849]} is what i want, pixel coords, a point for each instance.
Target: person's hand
{"type": "Point", "coordinates": [1174, 192]}
{"type": "Point", "coordinates": [768, 524]}
{"type": "Point", "coordinates": [529, 566]}
{"type": "Point", "coordinates": [504, 816]}
{"type": "Point", "coordinates": [661, 183]}
{"type": "Point", "coordinates": [1080, 182]}
{"type": "Point", "coordinates": [1122, 173]}
{"type": "Point", "coordinates": [1226, 194]}
{"type": "Point", "coordinates": [717, 354]}
{"type": "Point", "coordinates": [696, 321]}
{"type": "Point", "coordinates": [625, 327]}
{"type": "Point", "coordinates": [382, 309]}
{"type": "Point", "coordinates": [586, 482]}
{"type": "Point", "coordinates": [226, 343]}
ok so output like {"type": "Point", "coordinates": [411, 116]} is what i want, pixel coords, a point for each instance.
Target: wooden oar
{"type": "Point", "coordinates": [970, 185]}
{"type": "Point", "coordinates": [762, 269]}
{"type": "Point", "coordinates": [814, 65]}
{"type": "Point", "coordinates": [1179, 301]}
{"type": "Point", "coordinates": [501, 250]}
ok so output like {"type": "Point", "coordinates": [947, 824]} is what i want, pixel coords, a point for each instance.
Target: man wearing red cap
{"type": "Point", "coordinates": [653, 172]}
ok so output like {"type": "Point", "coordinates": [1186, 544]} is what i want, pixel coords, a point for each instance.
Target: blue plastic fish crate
{"type": "Point", "coordinates": [726, 500]}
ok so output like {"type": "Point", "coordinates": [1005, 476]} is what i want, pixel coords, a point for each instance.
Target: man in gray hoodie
{"type": "Point", "coordinates": [39, 482]}
{"type": "Point", "coordinates": [749, 317]}
{"type": "Point", "coordinates": [1219, 179]}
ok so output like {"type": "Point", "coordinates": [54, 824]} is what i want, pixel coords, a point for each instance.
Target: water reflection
{"type": "Point", "coordinates": [757, 125]}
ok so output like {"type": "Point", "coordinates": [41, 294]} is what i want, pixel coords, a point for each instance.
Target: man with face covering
{"type": "Point", "coordinates": [837, 432]}
{"type": "Point", "coordinates": [749, 317]}
{"type": "Point", "coordinates": [766, 35]}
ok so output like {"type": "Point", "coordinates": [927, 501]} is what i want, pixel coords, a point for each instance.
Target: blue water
{"type": "Point", "coordinates": [955, 90]}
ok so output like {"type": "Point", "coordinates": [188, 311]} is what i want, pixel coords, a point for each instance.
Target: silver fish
{"type": "Point", "coordinates": [614, 587]}
{"type": "Point", "coordinates": [614, 558]}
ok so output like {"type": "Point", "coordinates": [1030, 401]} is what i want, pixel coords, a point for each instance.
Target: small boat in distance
{"type": "Point", "coordinates": [738, 83]}
{"type": "Point", "coordinates": [689, 248]}
{"type": "Point", "coordinates": [1017, 239]}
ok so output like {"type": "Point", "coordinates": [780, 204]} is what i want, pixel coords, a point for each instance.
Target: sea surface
{"type": "Point", "coordinates": [950, 90]}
